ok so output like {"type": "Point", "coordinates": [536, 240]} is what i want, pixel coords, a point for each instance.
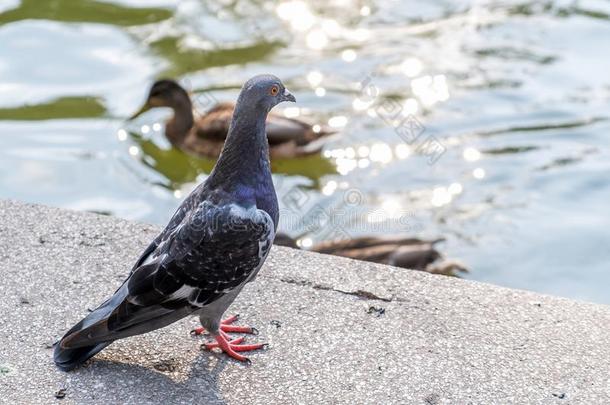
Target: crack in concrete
{"type": "Point", "coordinates": [361, 294]}
{"type": "Point", "coordinates": [358, 293]}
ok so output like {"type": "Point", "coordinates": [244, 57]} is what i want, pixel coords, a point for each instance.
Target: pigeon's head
{"type": "Point", "coordinates": [165, 93]}
{"type": "Point", "coordinates": [264, 91]}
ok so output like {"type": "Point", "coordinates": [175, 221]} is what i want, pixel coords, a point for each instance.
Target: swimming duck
{"type": "Point", "coordinates": [204, 135]}
{"type": "Point", "coordinates": [408, 253]}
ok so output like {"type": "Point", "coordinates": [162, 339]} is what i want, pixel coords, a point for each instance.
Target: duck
{"type": "Point", "coordinates": [405, 252]}
{"type": "Point", "coordinates": [204, 135]}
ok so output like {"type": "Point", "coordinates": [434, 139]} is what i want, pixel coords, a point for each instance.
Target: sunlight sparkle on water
{"type": "Point", "coordinates": [439, 85]}
{"type": "Point", "coordinates": [471, 154]}
{"type": "Point", "coordinates": [292, 112]}
{"type": "Point", "coordinates": [337, 153]}
{"type": "Point", "coordinates": [411, 67]}
{"type": "Point", "coordinates": [331, 27]}
{"type": "Point", "coordinates": [349, 55]}
{"type": "Point", "coordinates": [363, 151]}
{"type": "Point", "coordinates": [297, 13]}
{"type": "Point", "coordinates": [430, 90]}
{"type": "Point", "coordinates": [350, 153]}
{"type": "Point", "coordinates": [316, 39]}
{"type": "Point", "coordinates": [305, 242]}
{"type": "Point", "coordinates": [411, 106]}
{"type": "Point", "coordinates": [320, 92]}
{"type": "Point", "coordinates": [316, 129]}
{"type": "Point", "coordinates": [134, 151]}
{"type": "Point", "coordinates": [381, 152]}
{"type": "Point", "coordinates": [121, 134]}
{"type": "Point", "coordinates": [156, 127]}
{"type": "Point", "coordinates": [145, 129]}
{"type": "Point", "coordinates": [392, 207]}
{"type": "Point", "coordinates": [329, 188]}
{"type": "Point", "coordinates": [345, 166]}
{"type": "Point", "coordinates": [338, 121]}
{"type": "Point", "coordinates": [478, 173]}
{"type": "Point", "coordinates": [360, 105]}
{"type": "Point", "coordinates": [402, 151]}
{"type": "Point", "coordinates": [365, 11]}
{"type": "Point", "coordinates": [315, 78]}
{"type": "Point", "coordinates": [441, 196]}
{"type": "Point", "coordinates": [455, 188]}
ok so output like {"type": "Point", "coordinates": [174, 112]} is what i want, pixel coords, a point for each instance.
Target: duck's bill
{"type": "Point", "coordinates": [288, 96]}
{"type": "Point", "coordinates": [141, 111]}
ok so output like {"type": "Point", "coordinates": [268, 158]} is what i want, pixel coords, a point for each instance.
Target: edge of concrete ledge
{"type": "Point", "coordinates": [341, 331]}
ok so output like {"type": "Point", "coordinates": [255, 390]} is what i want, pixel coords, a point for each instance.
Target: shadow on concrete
{"type": "Point", "coordinates": [162, 381]}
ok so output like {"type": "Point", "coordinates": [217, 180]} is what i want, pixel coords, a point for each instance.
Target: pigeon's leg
{"type": "Point", "coordinates": [227, 326]}
{"type": "Point", "coordinates": [232, 347]}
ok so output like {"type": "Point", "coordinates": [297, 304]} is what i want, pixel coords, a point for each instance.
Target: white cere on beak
{"type": "Point", "coordinates": [287, 95]}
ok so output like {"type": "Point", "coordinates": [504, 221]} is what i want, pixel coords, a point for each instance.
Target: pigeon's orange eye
{"type": "Point", "coordinates": [274, 90]}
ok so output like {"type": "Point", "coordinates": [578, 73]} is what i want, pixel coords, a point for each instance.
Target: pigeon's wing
{"type": "Point", "coordinates": [213, 251]}
{"type": "Point", "coordinates": [187, 206]}
{"type": "Point", "coordinates": [216, 249]}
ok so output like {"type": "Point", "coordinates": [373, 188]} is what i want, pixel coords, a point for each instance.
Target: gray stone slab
{"type": "Point", "coordinates": [439, 340]}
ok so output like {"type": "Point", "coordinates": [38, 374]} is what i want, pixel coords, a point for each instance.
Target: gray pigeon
{"type": "Point", "coordinates": [214, 244]}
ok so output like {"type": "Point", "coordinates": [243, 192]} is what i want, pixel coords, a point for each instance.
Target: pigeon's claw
{"type": "Point", "coordinates": [198, 331]}
{"type": "Point", "coordinates": [232, 347]}
{"type": "Point", "coordinates": [227, 326]}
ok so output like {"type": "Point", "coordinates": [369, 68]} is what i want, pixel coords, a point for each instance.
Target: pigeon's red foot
{"type": "Point", "coordinates": [231, 347]}
{"type": "Point", "coordinates": [227, 326]}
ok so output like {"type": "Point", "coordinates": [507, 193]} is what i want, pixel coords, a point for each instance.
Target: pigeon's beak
{"type": "Point", "coordinates": [287, 96]}
{"type": "Point", "coordinates": [141, 111]}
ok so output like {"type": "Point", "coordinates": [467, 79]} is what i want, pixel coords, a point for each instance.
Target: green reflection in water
{"type": "Point", "coordinates": [184, 60]}
{"type": "Point", "coordinates": [513, 54]}
{"type": "Point", "coordinates": [60, 108]}
{"type": "Point", "coordinates": [550, 8]}
{"type": "Point", "coordinates": [84, 11]}
{"type": "Point", "coordinates": [509, 150]}
{"type": "Point", "coordinates": [544, 127]}
{"type": "Point", "coordinates": [181, 168]}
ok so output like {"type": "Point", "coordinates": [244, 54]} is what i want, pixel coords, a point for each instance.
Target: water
{"type": "Point", "coordinates": [516, 95]}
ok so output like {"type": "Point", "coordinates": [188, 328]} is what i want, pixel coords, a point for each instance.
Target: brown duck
{"type": "Point", "coordinates": [408, 253]}
{"type": "Point", "coordinates": [204, 135]}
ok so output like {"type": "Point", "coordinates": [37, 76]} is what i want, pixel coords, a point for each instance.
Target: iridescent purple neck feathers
{"type": "Point", "coordinates": [243, 168]}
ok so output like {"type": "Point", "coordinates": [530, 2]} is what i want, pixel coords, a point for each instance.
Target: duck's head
{"type": "Point", "coordinates": [165, 93]}
{"type": "Point", "coordinates": [264, 92]}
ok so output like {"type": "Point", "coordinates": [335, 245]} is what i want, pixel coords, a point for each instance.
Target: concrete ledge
{"type": "Point", "coordinates": [341, 331]}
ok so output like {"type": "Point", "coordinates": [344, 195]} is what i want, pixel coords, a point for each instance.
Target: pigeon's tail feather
{"type": "Point", "coordinates": [113, 327]}
{"type": "Point", "coordinates": [68, 359]}
{"type": "Point", "coordinates": [68, 356]}
{"type": "Point", "coordinates": [115, 319]}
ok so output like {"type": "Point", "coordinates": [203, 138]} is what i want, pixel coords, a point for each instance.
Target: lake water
{"type": "Point", "coordinates": [486, 123]}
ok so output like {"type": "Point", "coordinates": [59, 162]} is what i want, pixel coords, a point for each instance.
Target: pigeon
{"type": "Point", "coordinates": [204, 135]}
{"type": "Point", "coordinates": [216, 242]}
